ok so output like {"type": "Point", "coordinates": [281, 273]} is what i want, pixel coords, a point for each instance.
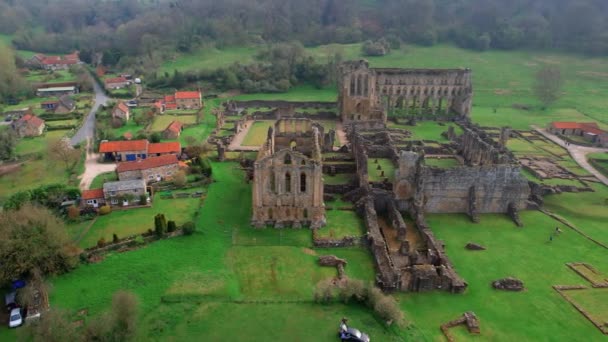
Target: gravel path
{"type": "Point", "coordinates": [93, 168]}
{"type": "Point", "coordinates": [578, 153]}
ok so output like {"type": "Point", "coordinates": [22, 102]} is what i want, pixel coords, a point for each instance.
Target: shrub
{"type": "Point", "coordinates": [324, 293]}
{"type": "Point", "coordinates": [101, 242]}
{"type": "Point", "coordinates": [180, 178]}
{"type": "Point", "coordinates": [114, 238]}
{"type": "Point", "coordinates": [171, 226]}
{"type": "Point", "coordinates": [143, 199]}
{"type": "Point", "coordinates": [160, 225]}
{"type": "Point", "coordinates": [189, 228]}
{"type": "Point", "coordinates": [139, 240]}
{"type": "Point", "coordinates": [104, 210]}
{"type": "Point", "coordinates": [73, 212]}
{"type": "Point", "coordinates": [353, 290]}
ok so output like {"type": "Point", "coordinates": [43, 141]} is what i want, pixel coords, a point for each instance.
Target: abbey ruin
{"type": "Point", "coordinates": [300, 153]}
{"type": "Point", "coordinates": [368, 94]}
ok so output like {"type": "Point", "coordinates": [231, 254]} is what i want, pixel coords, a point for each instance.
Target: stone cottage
{"type": "Point", "coordinates": [63, 104]}
{"type": "Point", "coordinates": [121, 111]}
{"type": "Point", "coordinates": [132, 150]}
{"type": "Point", "coordinates": [173, 131]}
{"type": "Point", "coordinates": [151, 169]}
{"type": "Point", "coordinates": [29, 125]}
{"type": "Point", "coordinates": [124, 193]}
{"type": "Point", "coordinates": [116, 83]}
{"type": "Point", "coordinates": [93, 198]}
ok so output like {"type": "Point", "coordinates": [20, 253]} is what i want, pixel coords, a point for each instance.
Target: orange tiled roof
{"type": "Point", "coordinates": [115, 80]}
{"type": "Point", "coordinates": [166, 147]}
{"type": "Point", "coordinates": [175, 126]}
{"type": "Point", "coordinates": [187, 95]}
{"type": "Point", "coordinates": [122, 146]}
{"type": "Point", "coordinates": [31, 120]}
{"type": "Point", "coordinates": [92, 194]}
{"type": "Point", "coordinates": [123, 107]}
{"type": "Point", "coordinates": [149, 163]}
{"type": "Point", "coordinates": [590, 127]}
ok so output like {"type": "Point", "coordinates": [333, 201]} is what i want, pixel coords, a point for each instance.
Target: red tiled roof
{"type": "Point", "coordinates": [169, 99]}
{"type": "Point", "coordinates": [573, 125]}
{"type": "Point", "coordinates": [123, 107]}
{"type": "Point", "coordinates": [123, 146]}
{"type": "Point", "coordinates": [166, 147]}
{"type": "Point", "coordinates": [31, 120]}
{"type": "Point", "coordinates": [149, 163]}
{"type": "Point", "coordinates": [175, 126]}
{"type": "Point", "coordinates": [92, 194]}
{"type": "Point", "coordinates": [590, 127]}
{"type": "Point", "coordinates": [115, 80]}
{"type": "Point", "coordinates": [187, 95]}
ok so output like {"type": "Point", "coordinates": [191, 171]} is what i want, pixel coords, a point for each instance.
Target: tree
{"type": "Point", "coordinates": [119, 324]}
{"type": "Point", "coordinates": [60, 150]}
{"type": "Point", "coordinates": [180, 178]}
{"type": "Point", "coordinates": [8, 142]}
{"type": "Point", "coordinates": [160, 225]}
{"type": "Point", "coordinates": [32, 238]}
{"type": "Point", "coordinates": [53, 326]}
{"type": "Point", "coordinates": [11, 84]}
{"type": "Point", "coordinates": [548, 84]}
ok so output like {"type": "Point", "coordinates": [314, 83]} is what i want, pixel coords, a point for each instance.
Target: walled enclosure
{"type": "Point", "coordinates": [365, 94]}
{"type": "Point", "coordinates": [491, 182]}
{"type": "Point", "coordinates": [288, 176]}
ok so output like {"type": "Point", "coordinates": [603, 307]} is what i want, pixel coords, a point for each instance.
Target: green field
{"type": "Point", "coordinates": [257, 134]}
{"type": "Point", "coordinates": [443, 163]}
{"type": "Point", "coordinates": [427, 130]}
{"type": "Point", "coordinates": [341, 223]}
{"type": "Point", "coordinates": [375, 174]}
{"type": "Point", "coordinates": [136, 221]}
{"type": "Point", "coordinates": [208, 58]}
{"type": "Point", "coordinates": [161, 122]}
{"type": "Point", "coordinates": [38, 166]}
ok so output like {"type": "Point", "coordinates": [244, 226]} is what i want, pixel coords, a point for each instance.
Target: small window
{"type": "Point", "coordinates": [114, 201]}
{"type": "Point", "coordinates": [303, 182]}
{"type": "Point", "coordinates": [288, 159]}
{"type": "Point", "coordinates": [112, 193]}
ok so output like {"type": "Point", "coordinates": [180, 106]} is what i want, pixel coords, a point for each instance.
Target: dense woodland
{"type": "Point", "coordinates": [145, 29]}
{"type": "Point", "coordinates": [139, 35]}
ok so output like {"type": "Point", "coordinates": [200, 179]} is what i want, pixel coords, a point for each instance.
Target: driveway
{"type": "Point", "coordinates": [93, 168]}
{"type": "Point", "coordinates": [87, 130]}
{"type": "Point", "coordinates": [578, 153]}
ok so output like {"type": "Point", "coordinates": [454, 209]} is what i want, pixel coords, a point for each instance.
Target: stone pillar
{"type": "Point", "coordinates": [505, 134]}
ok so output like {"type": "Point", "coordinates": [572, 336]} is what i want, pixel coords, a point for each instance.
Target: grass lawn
{"type": "Point", "coordinates": [524, 253]}
{"type": "Point", "coordinates": [190, 286]}
{"type": "Point", "coordinates": [386, 165]}
{"type": "Point", "coordinates": [426, 130]}
{"type": "Point", "coordinates": [341, 223]}
{"type": "Point", "coordinates": [256, 135]}
{"type": "Point", "coordinates": [102, 178]}
{"type": "Point", "coordinates": [135, 221]}
{"type": "Point", "coordinates": [444, 163]}
{"type": "Point", "coordinates": [209, 58]}
{"type": "Point", "coordinates": [36, 171]}
{"type": "Point", "coordinates": [51, 76]}
{"type": "Point", "coordinates": [594, 301]}
{"type": "Point", "coordinates": [588, 211]}
{"type": "Point", "coordinates": [161, 122]}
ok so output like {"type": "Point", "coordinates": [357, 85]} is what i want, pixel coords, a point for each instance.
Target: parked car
{"type": "Point", "coordinates": [132, 103]}
{"type": "Point", "coordinates": [352, 334]}
{"type": "Point", "coordinates": [15, 318]}
{"type": "Point", "coordinates": [9, 300]}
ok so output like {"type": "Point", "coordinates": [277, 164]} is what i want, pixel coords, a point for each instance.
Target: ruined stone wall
{"type": "Point", "coordinates": [365, 93]}
{"type": "Point", "coordinates": [288, 191]}
{"type": "Point", "coordinates": [478, 149]}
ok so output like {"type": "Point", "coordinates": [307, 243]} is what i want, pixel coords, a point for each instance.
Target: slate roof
{"type": "Point", "coordinates": [124, 185]}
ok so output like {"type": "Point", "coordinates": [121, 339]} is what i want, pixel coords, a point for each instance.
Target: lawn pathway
{"type": "Point", "coordinates": [235, 145]}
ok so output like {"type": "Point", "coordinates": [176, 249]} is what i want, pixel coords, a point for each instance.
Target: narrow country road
{"type": "Point", "coordinates": [87, 130]}
{"type": "Point", "coordinates": [578, 153]}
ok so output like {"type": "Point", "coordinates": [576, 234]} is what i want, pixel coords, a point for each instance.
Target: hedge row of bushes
{"type": "Point", "coordinates": [347, 290]}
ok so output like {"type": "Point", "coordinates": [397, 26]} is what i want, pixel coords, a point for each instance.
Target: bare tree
{"type": "Point", "coordinates": [548, 84]}
{"type": "Point", "coordinates": [60, 150]}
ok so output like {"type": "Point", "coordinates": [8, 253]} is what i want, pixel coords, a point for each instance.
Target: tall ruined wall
{"type": "Point", "coordinates": [288, 191]}
{"type": "Point", "coordinates": [478, 149]}
{"type": "Point", "coordinates": [492, 188]}
{"type": "Point", "coordinates": [365, 93]}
